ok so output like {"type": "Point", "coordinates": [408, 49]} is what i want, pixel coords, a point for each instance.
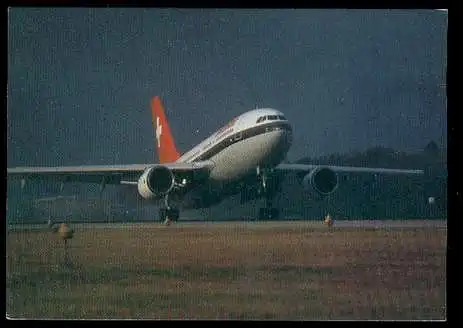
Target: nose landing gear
{"type": "Point", "coordinates": [268, 190]}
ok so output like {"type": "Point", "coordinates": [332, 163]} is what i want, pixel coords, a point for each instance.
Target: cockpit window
{"type": "Point", "coordinates": [271, 118]}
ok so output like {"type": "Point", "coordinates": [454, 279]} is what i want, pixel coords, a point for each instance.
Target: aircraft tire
{"type": "Point", "coordinates": [171, 214]}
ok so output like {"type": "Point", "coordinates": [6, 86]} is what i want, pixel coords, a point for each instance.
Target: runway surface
{"type": "Point", "coordinates": [285, 270]}
{"type": "Point", "coordinates": [357, 224]}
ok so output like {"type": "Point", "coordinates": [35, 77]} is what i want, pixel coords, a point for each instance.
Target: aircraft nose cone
{"type": "Point", "coordinates": [281, 142]}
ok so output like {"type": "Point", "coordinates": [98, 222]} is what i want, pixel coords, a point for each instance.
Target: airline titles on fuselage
{"type": "Point", "coordinates": [222, 132]}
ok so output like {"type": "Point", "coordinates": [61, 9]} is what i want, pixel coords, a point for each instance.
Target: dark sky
{"type": "Point", "coordinates": [80, 80]}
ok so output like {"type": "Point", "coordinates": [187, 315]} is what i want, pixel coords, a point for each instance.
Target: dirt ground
{"type": "Point", "coordinates": [288, 272]}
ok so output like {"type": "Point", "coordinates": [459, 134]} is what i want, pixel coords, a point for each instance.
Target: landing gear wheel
{"type": "Point", "coordinates": [271, 213]}
{"type": "Point", "coordinates": [269, 187]}
{"type": "Point", "coordinates": [167, 215]}
{"type": "Point", "coordinates": [162, 214]}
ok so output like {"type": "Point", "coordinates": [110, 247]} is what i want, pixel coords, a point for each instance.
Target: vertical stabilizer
{"type": "Point", "coordinates": [164, 142]}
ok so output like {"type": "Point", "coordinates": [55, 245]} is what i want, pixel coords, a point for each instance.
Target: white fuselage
{"type": "Point", "coordinates": [258, 138]}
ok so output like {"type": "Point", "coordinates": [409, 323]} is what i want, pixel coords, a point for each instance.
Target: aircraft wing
{"type": "Point", "coordinates": [105, 174]}
{"type": "Point", "coordinates": [345, 169]}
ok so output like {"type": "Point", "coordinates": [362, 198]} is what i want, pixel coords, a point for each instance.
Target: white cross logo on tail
{"type": "Point", "coordinates": [158, 132]}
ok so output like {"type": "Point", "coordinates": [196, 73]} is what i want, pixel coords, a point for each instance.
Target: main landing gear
{"type": "Point", "coordinates": [268, 190]}
{"type": "Point", "coordinates": [168, 214]}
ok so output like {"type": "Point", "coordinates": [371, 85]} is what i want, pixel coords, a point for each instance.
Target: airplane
{"type": "Point", "coordinates": [245, 156]}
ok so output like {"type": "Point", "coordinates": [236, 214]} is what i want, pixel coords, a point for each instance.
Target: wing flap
{"type": "Point", "coordinates": [107, 174]}
{"type": "Point", "coordinates": [98, 169]}
{"type": "Point", "coordinates": [346, 169]}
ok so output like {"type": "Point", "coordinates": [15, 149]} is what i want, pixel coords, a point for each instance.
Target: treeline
{"type": "Point", "coordinates": [431, 157]}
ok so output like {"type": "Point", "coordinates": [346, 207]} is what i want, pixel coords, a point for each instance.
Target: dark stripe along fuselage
{"type": "Point", "coordinates": [241, 136]}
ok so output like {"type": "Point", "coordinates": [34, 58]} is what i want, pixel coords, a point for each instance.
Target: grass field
{"type": "Point", "coordinates": [221, 271]}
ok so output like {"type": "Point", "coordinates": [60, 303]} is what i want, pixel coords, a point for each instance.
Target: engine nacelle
{"type": "Point", "coordinates": [155, 182]}
{"type": "Point", "coordinates": [322, 179]}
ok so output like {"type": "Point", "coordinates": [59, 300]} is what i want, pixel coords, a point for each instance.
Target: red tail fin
{"type": "Point", "coordinates": [167, 152]}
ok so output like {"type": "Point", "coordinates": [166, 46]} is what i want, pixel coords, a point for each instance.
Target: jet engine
{"type": "Point", "coordinates": [156, 181]}
{"type": "Point", "coordinates": [322, 179]}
